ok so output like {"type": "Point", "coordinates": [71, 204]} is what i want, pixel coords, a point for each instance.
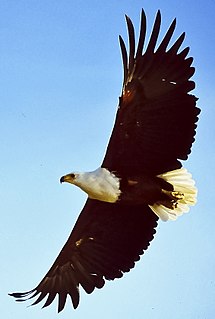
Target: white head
{"type": "Point", "coordinates": [69, 178]}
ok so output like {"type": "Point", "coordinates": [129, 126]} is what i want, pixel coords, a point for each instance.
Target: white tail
{"type": "Point", "coordinates": [182, 182]}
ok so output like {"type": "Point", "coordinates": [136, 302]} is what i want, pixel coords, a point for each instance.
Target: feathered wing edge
{"type": "Point", "coordinates": [130, 60]}
{"type": "Point", "coordinates": [64, 280]}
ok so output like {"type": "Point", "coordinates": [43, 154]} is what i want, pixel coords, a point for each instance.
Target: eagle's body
{"type": "Point", "coordinates": [141, 177]}
{"type": "Point", "coordinates": [168, 194]}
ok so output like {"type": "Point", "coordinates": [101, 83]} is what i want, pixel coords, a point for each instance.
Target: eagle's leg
{"type": "Point", "coordinates": [173, 198]}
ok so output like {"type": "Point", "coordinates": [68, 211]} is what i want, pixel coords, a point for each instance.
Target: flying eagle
{"type": "Point", "coordinates": [141, 178]}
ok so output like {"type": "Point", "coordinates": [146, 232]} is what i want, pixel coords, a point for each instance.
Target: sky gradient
{"type": "Point", "coordinates": [61, 75]}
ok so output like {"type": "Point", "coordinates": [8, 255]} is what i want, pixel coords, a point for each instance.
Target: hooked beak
{"type": "Point", "coordinates": [69, 178]}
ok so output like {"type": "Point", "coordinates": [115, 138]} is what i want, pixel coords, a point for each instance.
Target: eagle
{"type": "Point", "coordinates": [141, 178]}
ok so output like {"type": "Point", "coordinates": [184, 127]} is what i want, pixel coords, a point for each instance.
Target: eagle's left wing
{"type": "Point", "coordinates": [156, 118]}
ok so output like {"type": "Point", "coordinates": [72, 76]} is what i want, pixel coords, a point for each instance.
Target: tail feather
{"type": "Point", "coordinates": [182, 182]}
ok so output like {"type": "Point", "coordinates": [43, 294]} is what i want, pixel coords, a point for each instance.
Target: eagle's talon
{"type": "Point", "coordinates": [173, 198]}
{"type": "Point", "coordinates": [173, 195]}
{"type": "Point", "coordinates": [177, 195]}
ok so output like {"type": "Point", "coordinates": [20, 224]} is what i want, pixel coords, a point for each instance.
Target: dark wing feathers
{"type": "Point", "coordinates": [155, 126]}
{"type": "Point", "coordinates": [165, 42]}
{"type": "Point", "coordinates": [131, 42]}
{"type": "Point", "coordinates": [155, 122]}
{"type": "Point", "coordinates": [154, 36]}
{"type": "Point", "coordinates": [105, 243]}
{"type": "Point", "coordinates": [142, 34]}
{"type": "Point", "coordinates": [124, 57]}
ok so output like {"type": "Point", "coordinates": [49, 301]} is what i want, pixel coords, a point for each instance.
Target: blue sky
{"type": "Point", "coordinates": [61, 76]}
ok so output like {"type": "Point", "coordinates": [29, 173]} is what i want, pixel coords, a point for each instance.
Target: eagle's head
{"type": "Point", "coordinates": [69, 178]}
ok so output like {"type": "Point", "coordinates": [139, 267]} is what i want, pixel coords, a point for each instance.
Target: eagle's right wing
{"type": "Point", "coordinates": [106, 241]}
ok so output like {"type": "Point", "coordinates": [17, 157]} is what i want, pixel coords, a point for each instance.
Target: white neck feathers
{"type": "Point", "coordinates": [99, 184]}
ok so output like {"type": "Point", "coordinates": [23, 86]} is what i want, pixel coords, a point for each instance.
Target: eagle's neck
{"type": "Point", "coordinates": [99, 184]}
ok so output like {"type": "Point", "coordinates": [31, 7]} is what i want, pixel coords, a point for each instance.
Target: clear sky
{"type": "Point", "coordinates": [60, 78]}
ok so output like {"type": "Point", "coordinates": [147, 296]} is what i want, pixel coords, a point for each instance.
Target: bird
{"type": "Point", "coordinates": [141, 179]}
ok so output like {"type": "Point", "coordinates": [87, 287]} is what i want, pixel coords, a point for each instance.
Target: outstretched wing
{"type": "Point", "coordinates": [156, 119]}
{"type": "Point", "coordinates": [105, 242]}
